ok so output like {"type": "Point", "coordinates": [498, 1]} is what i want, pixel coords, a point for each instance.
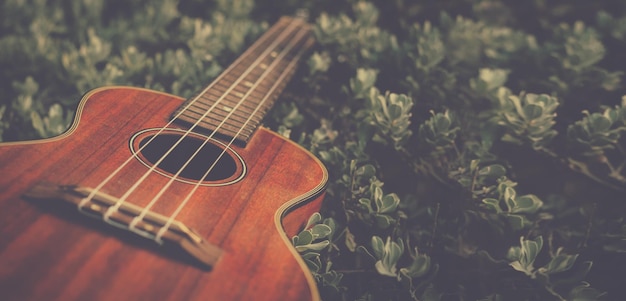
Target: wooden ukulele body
{"type": "Point", "coordinates": [52, 252]}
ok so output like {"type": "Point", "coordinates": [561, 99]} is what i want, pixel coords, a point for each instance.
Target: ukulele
{"type": "Point", "coordinates": [151, 197]}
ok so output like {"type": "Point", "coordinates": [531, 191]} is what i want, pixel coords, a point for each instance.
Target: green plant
{"type": "Point", "coordinates": [476, 149]}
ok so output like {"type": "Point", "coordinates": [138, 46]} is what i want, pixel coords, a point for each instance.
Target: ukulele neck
{"type": "Point", "coordinates": [234, 104]}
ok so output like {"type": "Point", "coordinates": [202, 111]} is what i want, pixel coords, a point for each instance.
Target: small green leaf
{"type": "Point", "coordinates": [364, 81]}
{"type": "Point", "coordinates": [419, 267]}
{"type": "Point", "coordinates": [526, 204]}
{"type": "Point", "coordinates": [529, 249]}
{"type": "Point", "coordinates": [492, 171]}
{"type": "Point", "coordinates": [560, 263]}
{"type": "Point", "coordinates": [314, 264]}
{"type": "Point", "coordinates": [350, 241]}
{"type": "Point", "coordinates": [320, 231]}
{"type": "Point", "coordinates": [517, 222]}
{"type": "Point", "coordinates": [330, 222]}
{"type": "Point", "coordinates": [304, 238]}
{"type": "Point", "coordinates": [388, 203]}
{"type": "Point", "coordinates": [319, 62]}
{"type": "Point", "coordinates": [366, 171]}
{"type": "Point", "coordinates": [318, 246]}
{"type": "Point", "coordinates": [599, 123]}
{"type": "Point", "coordinates": [585, 292]}
{"type": "Point", "coordinates": [384, 221]}
{"type": "Point", "coordinates": [389, 255]}
{"type": "Point", "coordinates": [514, 253]}
{"type": "Point", "coordinates": [366, 204]}
{"type": "Point", "coordinates": [532, 111]}
{"type": "Point", "coordinates": [314, 219]}
{"type": "Point", "coordinates": [378, 246]}
{"type": "Point", "coordinates": [492, 204]}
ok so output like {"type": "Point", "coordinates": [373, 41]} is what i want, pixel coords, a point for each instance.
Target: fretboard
{"type": "Point", "coordinates": [234, 104]}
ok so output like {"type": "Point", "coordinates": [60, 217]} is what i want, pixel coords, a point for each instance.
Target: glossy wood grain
{"type": "Point", "coordinates": [51, 252]}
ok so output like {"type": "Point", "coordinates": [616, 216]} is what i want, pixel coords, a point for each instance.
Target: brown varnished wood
{"type": "Point", "coordinates": [50, 252]}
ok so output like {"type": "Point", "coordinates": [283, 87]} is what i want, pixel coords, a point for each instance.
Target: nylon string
{"type": "Point", "coordinates": [125, 196]}
{"type": "Point", "coordinates": [99, 187]}
{"type": "Point", "coordinates": [172, 218]}
{"type": "Point", "coordinates": [269, 69]}
{"type": "Point", "coordinates": [120, 201]}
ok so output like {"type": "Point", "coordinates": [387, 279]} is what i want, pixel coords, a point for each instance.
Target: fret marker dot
{"type": "Point", "coordinates": [263, 66]}
{"type": "Point", "coordinates": [274, 54]}
{"type": "Point", "coordinates": [227, 109]}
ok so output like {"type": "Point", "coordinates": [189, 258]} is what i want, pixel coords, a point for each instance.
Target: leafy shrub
{"type": "Point", "coordinates": [476, 148]}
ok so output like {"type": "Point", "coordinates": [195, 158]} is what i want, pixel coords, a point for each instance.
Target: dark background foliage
{"type": "Point", "coordinates": [476, 148]}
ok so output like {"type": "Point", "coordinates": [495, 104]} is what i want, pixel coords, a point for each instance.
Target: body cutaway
{"type": "Point", "coordinates": [50, 251]}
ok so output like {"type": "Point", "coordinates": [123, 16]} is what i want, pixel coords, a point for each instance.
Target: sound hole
{"type": "Point", "coordinates": [199, 165]}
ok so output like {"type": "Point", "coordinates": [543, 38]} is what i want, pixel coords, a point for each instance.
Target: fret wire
{"type": "Point", "coordinates": [255, 84]}
{"type": "Point", "coordinates": [248, 55]}
{"type": "Point", "coordinates": [254, 73]}
{"type": "Point", "coordinates": [273, 74]}
{"type": "Point", "coordinates": [173, 216]}
{"type": "Point", "coordinates": [215, 122]}
{"type": "Point", "coordinates": [241, 89]}
{"type": "Point", "coordinates": [256, 69]}
{"type": "Point", "coordinates": [238, 88]}
{"type": "Point", "coordinates": [237, 69]}
{"type": "Point", "coordinates": [225, 128]}
{"type": "Point", "coordinates": [267, 37]}
{"type": "Point", "coordinates": [221, 113]}
{"type": "Point", "coordinates": [254, 93]}
{"type": "Point", "coordinates": [240, 112]}
{"type": "Point", "coordinates": [216, 118]}
{"type": "Point", "coordinates": [236, 118]}
{"type": "Point", "coordinates": [231, 101]}
{"type": "Point", "coordinates": [226, 99]}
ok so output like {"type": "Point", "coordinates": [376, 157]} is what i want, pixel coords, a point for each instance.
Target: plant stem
{"type": "Point", "coordinates": [589, 224]}
{"type": "Point", "coordinates": [435, 222]}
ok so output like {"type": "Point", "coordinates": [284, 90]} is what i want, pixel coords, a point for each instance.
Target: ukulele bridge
{"type": "Point", "coordinates": [152, 225]}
